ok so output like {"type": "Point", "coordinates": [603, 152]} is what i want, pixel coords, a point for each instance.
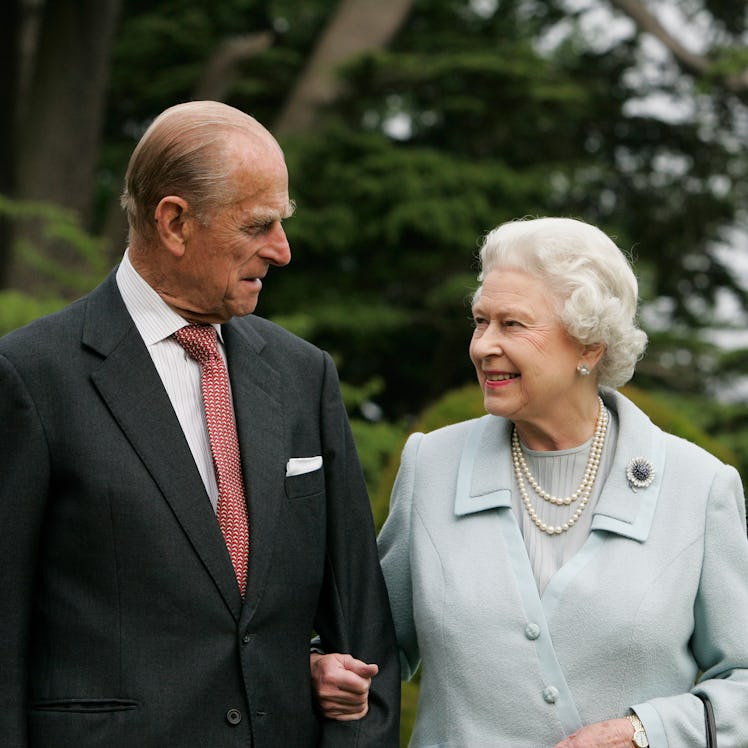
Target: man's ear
{"type": "Point", "coordinates": [171, 223]}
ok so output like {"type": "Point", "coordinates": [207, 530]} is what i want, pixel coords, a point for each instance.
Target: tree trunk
{"type": "Point", "coordinates": [222, 68]}
{"type": "Point", "coordinates": [357, 26]}
{"type": "Point", "coordinates": [61, 116]}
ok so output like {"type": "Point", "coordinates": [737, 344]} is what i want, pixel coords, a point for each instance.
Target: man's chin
{"type": "Point", "coordinates": [243, 309]}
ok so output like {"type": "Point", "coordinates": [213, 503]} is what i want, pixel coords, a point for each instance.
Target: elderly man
{"type": "Point", "coordinates": [182, 504]}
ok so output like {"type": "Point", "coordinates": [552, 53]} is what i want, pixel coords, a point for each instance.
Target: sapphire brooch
{"type": "Point", "coordinates": [640, 473]}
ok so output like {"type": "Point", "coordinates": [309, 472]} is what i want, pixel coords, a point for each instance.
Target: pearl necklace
{"type": "Point", "coordinates": [582, 493]}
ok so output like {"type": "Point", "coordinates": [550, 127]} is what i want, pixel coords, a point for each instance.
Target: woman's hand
{"type": "Point", "coordinates": [341, 684]}
{"type": "Point", "coordinates": [613, 733]}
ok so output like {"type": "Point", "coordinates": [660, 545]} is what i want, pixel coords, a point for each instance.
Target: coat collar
{"type": "Point", "coordinates": [485, 478]}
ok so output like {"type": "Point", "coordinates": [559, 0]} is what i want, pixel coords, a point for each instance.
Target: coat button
{"type": "Point", "coordinates": [233, 716]}
{"type": "Point", "coordinates": [532, 631]}
{"type": "Point", "coordinates": [550, 694]}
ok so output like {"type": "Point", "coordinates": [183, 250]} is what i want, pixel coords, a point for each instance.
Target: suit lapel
{"type": "Point", "coordinates": [256, 388]}
{"type": "Point", "coordinates": [129, 384]}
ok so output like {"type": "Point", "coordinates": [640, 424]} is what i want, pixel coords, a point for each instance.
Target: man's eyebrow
{"type": "Point", "coordinates": [261, 217]}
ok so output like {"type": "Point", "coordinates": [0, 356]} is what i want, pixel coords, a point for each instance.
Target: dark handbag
{"type": "Point", "coordinates": [709, 721]}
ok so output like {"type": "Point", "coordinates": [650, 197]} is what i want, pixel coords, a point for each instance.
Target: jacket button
{"type": "Point", "coordinates": [550, 694]}
{"type": "Point", "coordinates": [532, 631]}
{"type": "Point", "coordinates": [233, 716]}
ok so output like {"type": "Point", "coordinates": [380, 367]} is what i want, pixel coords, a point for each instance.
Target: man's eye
{"type": "Point", "coordinates": [258, 229]}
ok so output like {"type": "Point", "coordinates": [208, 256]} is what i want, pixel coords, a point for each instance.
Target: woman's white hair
{"type": "Point", "coordinates": [588, 276]}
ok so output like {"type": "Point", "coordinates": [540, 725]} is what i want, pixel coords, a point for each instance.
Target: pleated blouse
{"type": "Point", "coordinates": [559, 473]}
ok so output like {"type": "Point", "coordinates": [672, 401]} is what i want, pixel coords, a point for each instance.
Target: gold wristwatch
{"type": "Point", "coordinates": [640, 737]}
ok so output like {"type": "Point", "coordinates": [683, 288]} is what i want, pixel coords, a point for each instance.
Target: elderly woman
{"type": "Point", "coordinates": [569, 574]}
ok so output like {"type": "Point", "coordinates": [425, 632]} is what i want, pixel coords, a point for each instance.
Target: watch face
{"type": "Point", "coordinates": [640, 739]}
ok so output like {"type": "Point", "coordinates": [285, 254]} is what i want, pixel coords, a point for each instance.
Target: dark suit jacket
{"type": "Point", "coordinates": [122, 625]}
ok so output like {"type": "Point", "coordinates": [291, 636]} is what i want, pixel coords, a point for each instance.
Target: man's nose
{"type": "Point", "coordinates": [278, 250]}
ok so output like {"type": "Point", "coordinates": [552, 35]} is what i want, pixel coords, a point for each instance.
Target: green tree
{"type": "Point", "coordinates": [472, 117]}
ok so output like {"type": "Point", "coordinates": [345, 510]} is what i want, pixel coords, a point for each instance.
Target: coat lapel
{"type": "Point", "coordinates": [484, 477]}
{"type": "Point", "coordinates": [129, 384]}
{"type": "Point", "coordinates": [256, 388]}
{"type": "Point", "coordinates": [622, 509]}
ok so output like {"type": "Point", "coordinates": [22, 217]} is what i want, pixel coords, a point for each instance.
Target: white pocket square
{"type": "Point", "coordinates": [299, 465]}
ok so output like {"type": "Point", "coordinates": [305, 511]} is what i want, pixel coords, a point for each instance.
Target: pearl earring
{"type": "Point", "coordinates": [584, 370]}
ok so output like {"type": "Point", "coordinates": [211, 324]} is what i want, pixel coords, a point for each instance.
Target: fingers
{"type": "Point", "coordinates": [360, 668]}
{"type": "Point", "coordinates": [341, 684]}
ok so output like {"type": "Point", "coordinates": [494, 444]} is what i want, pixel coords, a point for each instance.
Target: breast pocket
{"type": "Point", "coordinates": [306, 485]}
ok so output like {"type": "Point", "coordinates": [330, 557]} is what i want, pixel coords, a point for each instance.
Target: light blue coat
{"type": "Point", "coordinates": [657, 594]}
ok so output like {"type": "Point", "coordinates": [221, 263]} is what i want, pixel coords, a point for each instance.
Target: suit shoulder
{"type": "Point", "coordinates": [281, 341]}
{"type": "Point", "coordinates": [272, 330]}
{"type": "Point", "coordinates": [47, 332]}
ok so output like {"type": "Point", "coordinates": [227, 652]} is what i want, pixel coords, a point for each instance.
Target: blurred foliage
{"type": "Point", "coordinates": [18, 307]}
{"type": "Point", "coordinates": [463, 123]}
{"type": "Point", "coordinates": [376, 444]}
{"type": "Point", "coordinates": [408, 709]}
{"type": "Point", "coordinates": [679, 416]}
{"type": "Point", "coordinates": [53, 222]}
{"type": "Point", "coordinates": [476, 113]}
{"type": "Point", "coordinates": [469, 118]}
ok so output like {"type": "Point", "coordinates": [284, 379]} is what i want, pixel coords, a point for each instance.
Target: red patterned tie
{"type": "Point", "coordinates": [200, 342]}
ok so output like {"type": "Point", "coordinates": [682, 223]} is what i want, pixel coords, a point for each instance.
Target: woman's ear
{"type": "Point", "coordinates": [591, 354]}
{"type": "Point", "coordinates": [172, 223]}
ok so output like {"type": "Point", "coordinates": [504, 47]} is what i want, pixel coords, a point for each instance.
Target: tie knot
{"type": "Point", "coordinates": [199, 341]}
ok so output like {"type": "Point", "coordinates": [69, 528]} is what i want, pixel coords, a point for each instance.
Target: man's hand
{"type": "Point", "coordinates": [341, 684]}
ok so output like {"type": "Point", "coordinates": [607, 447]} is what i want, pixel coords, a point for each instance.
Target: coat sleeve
{"type": "Point", "coordinates": [354, 614]}
{"type": "Point", "coordinates": [394, 551]}
{"type": "Point", "coordinates": [24, 471]}
{"type": "Point", "coordinates": [719, 642]}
